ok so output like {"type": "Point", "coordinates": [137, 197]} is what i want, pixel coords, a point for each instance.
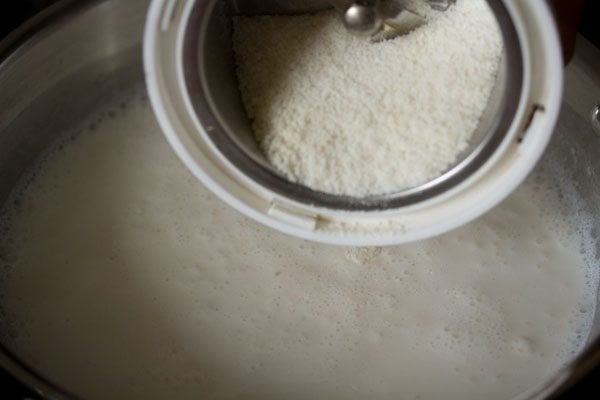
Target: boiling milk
{"type": "Point", "coordinates": [124, 278]}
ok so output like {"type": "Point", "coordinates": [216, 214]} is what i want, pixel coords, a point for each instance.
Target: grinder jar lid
{"type": "Point", "coordinates": [193, 90]}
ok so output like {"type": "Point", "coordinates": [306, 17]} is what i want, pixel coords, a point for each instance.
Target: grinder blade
{"type": "Point", "coordinates": [386, 19]}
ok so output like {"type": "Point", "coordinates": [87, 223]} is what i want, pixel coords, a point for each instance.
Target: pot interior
{"type": "Point", "coordinates": [73, 64]}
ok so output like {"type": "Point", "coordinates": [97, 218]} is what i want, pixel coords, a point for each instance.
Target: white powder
{"type": "Point", "coordinates": [341, 115]}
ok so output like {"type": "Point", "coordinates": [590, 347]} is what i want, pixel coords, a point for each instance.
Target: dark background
{"type": "Point", "coordinates": [14, 12]}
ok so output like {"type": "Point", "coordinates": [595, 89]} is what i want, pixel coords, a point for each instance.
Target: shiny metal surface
{"type": "Point", "coordinates": [441, 5]}
{"type": "Point", "coordinates": [369, 17]}
{"type": "Point", "coordinates": [61, 67]}
{"type": "Point", "coordinates": [56, 69]}
{"type": "Point", "coordinates": [362, 19]}
{"type": "Point", "coordinates": [42, 81]}
{"type": "Point", "coordinates": [211, 85]}
{"type": "Point", "coordinates": [595, 119]}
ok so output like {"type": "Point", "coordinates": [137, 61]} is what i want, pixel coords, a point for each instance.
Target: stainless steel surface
{"type": "Point", "coordinates": [400, 17]}
{"type": "Point", "coordinates": [441, 5]}
{"type": "Point", "coordinates": [595, 118]}
{"type": "Point", "coordinates": [363, 19]}
{"type": "Point", "coordinates": [211, 85]}
{"type": "Point", "coordinates": [43, 77]}
{"type": "Point", "coordinates": [370, 17]}
{"type": "Point", "coordinates": [57, 69]}
{"type": "Point", "coordinates": [62, 68]}
{"type": "Point", "coordinates": [385, 19]}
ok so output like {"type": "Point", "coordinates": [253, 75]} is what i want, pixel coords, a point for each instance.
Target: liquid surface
{"type": "Point", "coordinates": [122, 277]}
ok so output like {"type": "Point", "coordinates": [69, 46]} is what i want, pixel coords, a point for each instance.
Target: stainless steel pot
{"type": "Point", "coordinates": [67, 61]}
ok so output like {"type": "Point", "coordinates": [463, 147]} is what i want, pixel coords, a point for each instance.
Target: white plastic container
{"type": "Point", "coordinates": [523, 142]}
